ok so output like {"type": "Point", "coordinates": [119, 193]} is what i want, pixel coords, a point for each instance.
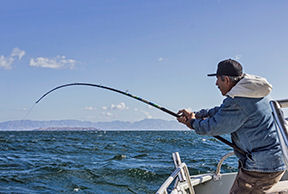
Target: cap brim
{"type": "Point", "coordinates": [213, 74]}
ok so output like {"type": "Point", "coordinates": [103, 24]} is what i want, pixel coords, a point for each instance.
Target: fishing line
{"type": "Point", "coordinates": [29, 111]}
{"type": "Point", "coordinates": [137, 98]}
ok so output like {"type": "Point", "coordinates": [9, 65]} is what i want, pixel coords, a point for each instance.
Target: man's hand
{"type": "Point", "coordinates": [186, 117]}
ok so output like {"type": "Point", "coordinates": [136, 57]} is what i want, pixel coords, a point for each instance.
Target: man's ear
{"type": "Point", "coordinates": [229, 82]}
{"type": "Point", "coordinates": [226, 79]}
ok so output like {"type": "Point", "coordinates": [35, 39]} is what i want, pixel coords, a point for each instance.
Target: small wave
{"type": "Point", "coordinates": [110, 147]}
{"type": "Point", "coordinates": [142, 174]}
{"type": "Point", "coordinates": [11, 178]}
{"type": "Point", "coordinates": [116, 185]}
{"type": "Point", "coordinates": [119, 157]}
{"type": "Point", "coordinates": [140, 156]}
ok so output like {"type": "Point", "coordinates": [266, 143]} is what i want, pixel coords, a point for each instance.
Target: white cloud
{"type": "Point", "coordinates": [109, 111]}
{"type": "Point", "coordinates": [147, 114]}
{"type": "Point", "coordinates": [16, 52]}
{"type": "Point", "coordinates": [121, 106]}
{"type": "Point", "coordinates": [107, 114]}
{"type": "Point", "coordinates": [90, 108]}
{"type": "Point", "coordinates": [6, 62]}
{"type": "Point", "coordinates": [160, 59]}
{"type": "Point", "coordinates": [58, 62]}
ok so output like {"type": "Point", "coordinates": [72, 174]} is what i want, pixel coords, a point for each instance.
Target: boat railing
{"type": "Point", "coordinates": [181, 174]}
{"type": "Point", "coordinates": [217, 175]}
{"type": "Point", "coordinates": [281, 125]}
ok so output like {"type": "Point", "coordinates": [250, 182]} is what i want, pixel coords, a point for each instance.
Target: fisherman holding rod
{"type": "Point", "coordinates": [245, 114]}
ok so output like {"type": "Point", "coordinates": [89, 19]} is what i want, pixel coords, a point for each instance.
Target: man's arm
{"type": "Point", "coordinates": [204, 113]}
{"type": "Point", "coordinates": [227, 119]}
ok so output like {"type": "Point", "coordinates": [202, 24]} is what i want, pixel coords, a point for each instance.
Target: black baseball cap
{"type": "Point", "coordinates": [228, 67]}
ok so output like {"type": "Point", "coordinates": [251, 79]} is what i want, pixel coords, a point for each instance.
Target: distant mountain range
{"type": "Point", "coordinates": [146, 124]}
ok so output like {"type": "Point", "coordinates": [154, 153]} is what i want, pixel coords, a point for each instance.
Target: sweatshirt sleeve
{"type": "Point", "coordinates": [226, 119]}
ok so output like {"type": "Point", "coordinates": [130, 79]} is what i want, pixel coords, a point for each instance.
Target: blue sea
{"type": "Point", "coordinates": [102, 161]}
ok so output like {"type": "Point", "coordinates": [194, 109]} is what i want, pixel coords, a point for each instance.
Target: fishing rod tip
{"type": "Point", "coordinates": [38, 101]}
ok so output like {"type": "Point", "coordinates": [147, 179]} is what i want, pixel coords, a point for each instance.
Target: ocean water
{"type": "Point", "coordinates": [102, 161]}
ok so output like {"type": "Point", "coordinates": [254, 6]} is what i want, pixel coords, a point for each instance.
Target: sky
{"type": "Point", "coordinates": [160, 50]}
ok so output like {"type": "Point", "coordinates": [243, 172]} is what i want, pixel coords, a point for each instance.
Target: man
{"type": "Point", "coordinates": [245, 114]}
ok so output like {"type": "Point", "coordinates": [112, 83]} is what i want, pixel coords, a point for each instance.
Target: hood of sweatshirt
{"type": "Point", "coordinates": [251, 86]}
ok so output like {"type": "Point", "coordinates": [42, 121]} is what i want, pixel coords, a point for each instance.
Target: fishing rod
{"type": "Point", "coordinates": [112, 89]}
{"type": "Point", "coordinates": [140, 99]}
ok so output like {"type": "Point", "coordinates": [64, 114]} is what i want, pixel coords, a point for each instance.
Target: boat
{"type": "Point", "coordinates": [180, 180]}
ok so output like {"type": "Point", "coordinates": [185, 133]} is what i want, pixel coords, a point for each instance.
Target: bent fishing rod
{"type": "Point", "coordinates": [141, 100]}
